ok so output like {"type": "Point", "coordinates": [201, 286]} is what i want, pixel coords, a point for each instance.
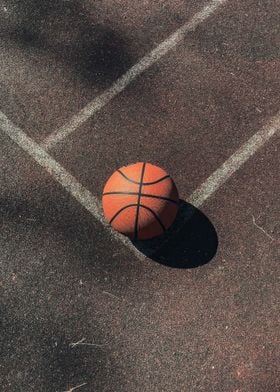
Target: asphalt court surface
{"type": "Point", "coordinates": [141, 325]}
{"type": "Point", "coordinates": [239, 95]}
{"type": "Point", "coordinates": [59, 70]}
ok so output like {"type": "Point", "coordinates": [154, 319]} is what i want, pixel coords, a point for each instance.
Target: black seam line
{"type": "Point", "coordinates": [121, 210]}
{"type": "Point", "coordinates": [155, 215]}
{"type": "Point", "coordinates": [142, 194]}
{"type": "Point", "coordinates": [138, 202]}
{"type": "Point", "coordinates": [144, 183]}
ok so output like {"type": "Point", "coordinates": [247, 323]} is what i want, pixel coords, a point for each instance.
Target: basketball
{"type": "Point", "coordinates": [140, 201]}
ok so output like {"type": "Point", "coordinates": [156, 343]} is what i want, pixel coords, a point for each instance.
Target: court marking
{"type": "Point", "coordinates": [121, 83]}
{"type": "Point", "coordinates": [234, 162]}
{"type": "Point", "coordinates": [225, 171]}
{"type": "Point", "coordinates": [62, 176]}
{"type": "Point", "coordinates": [92, 204]}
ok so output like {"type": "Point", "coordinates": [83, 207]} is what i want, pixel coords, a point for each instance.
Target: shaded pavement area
{"type": "Point", "coordinates": [77, 307]}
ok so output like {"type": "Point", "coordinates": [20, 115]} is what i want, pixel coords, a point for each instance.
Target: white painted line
{"type": "Point", "coordinates": [224, 172]}
{"type": "Point", "coordinates": [69, 183]}
{"type": "Point", "coordinates": [231, 165]}
{"type": "Point", "coordinates": [120, 84]}
{"type": "Point", "coordinates": [91, 203]}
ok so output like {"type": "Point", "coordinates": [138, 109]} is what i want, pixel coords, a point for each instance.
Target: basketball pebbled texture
{"type": "Point", "coordinates": [140, 201]}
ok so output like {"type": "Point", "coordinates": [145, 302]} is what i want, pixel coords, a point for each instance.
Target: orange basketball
{"type": "Point", "coordinates": [140, 201]}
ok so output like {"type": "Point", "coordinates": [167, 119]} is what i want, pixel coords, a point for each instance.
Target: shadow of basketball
{"type": "Point", "coordinates": [190, 242]}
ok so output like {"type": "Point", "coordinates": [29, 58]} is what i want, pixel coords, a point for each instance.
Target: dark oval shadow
{"type": "Point", "coordinates": [190, 242]}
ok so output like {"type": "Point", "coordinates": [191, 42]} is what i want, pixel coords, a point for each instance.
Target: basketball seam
{"type": "Point", "coordinates": [138, 202]}
{"type": "Point", "coordinates": [143, 206]}
{"type": "Point", "coordinates": [142, 194]}
{"type": "Point", "coordinates": [121, 210]}
{"type": "Point", "coordinates": [155, 215]}
{"type": "Point", "coordinates": [143, 183]}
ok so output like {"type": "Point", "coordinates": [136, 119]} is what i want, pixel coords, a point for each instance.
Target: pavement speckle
{"type": "Point", "coordinates": [78, 310]}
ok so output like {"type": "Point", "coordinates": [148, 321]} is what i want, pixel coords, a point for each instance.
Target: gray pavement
{"type": "Point", "coordinates": [77, 307]}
